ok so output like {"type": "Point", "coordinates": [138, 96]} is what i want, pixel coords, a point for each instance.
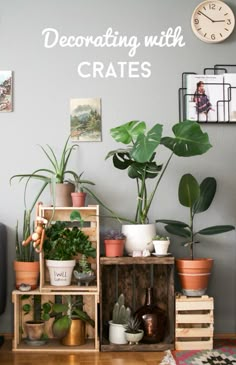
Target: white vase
{"type": "Point", "coordinates": [60, 272]}
{"type": "Point", "coordinates": [161, 246]}
{"type": "Point", "coordinates": [138, 237]}
{"type": "Point", "coordinates": [117, 333]}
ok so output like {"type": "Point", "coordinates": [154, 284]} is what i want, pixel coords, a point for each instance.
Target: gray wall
{"type": "Point", "coordinates": [46, 79]}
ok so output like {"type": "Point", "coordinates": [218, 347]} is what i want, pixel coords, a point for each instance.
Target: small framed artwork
{"type": "Point", "coordinates": [85, 120]}
{"type": "Point", "coordinates": [5, 91]}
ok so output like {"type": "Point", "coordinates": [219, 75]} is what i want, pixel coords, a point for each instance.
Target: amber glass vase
{"type": "Point", "coordinates": [153, 319]}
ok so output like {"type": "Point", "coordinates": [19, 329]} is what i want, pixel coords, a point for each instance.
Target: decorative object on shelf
{"type": "Point", "coordinates": [56, 177]}
{"type": "Point", "coordinates": [70, 319]}
{"type": "Point", "coordinates": [79, 195]}
{"type": "Point", "coordinates": [213, 21]}
{"type": "Point", "coordinates": [138, 158]}
{"type": "Point", "coordinates": [198, 198]}
{"type": "Point", "coordinates": [120, 317]}
{"type": "Point", "coordinates": [161, 244]}
{"type": "Point", "coordinates": [83, 273]}
{"type": "Point", "coordinates": [114, 243]}
{"type": "Point", "coordinates": [153, 319]}
{"type": "Point", "coordinates": [62, 244]}
{"type": "Point", "coordinates": [6, 91]}
{"type": "Point", "coordinates": [133, 332]}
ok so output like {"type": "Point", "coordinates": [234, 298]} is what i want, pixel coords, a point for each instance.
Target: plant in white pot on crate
{"type": "Point", "coordinates": [161, 244]}
{"type": "Point", "coordinates": [138, 158]}
{"type": "Point", "coordinates": [62, 244]}
{"type": "Point", "coordinates": [120, 317]}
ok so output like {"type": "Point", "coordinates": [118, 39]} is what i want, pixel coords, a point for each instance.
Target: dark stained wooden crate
{"type": "Point", "coordinates": [131, 276]}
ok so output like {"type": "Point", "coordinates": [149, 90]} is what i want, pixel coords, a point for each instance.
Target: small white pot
{"type": "Point", "coordinates": [134, 338]}
{"type": "Point", "coordinates": [117, 333]}
{"type": "Point", "coordinates": [60, 272]}
{"type": "Point", "coordinates": [161, 247]}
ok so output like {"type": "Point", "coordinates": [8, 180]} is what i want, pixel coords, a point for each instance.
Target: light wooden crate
{"type": "Point", "coordinates": [20, 343]}
{"type": "Point", "coordinates": [194, 323]}
{"type": "Point", "coordinates": [90, 215]}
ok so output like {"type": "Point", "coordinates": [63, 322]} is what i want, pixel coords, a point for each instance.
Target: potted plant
{"type": "Point", "coordinates": [120, 316]}
{"type": "Point", "coordinates": [114, 242]}
{"type": "Point", "coordinates": [83, 272]}
{"type": "Point", "coordinates": [138, 158]}
{"type": "Point", "coordinates": [60, 247]}
{"type": "Point", "coordinates": [35, 327]}
{"type": "Point", "coordinates": [56, 176]}
{"type": "Point", "coordinates": [70, 320]}
{"type": "Point", "coordinates": [198, 198]}
{"type": "Point", "coordinates": [161, 244]}
{"type": "Point", "coordinates": [133, 331]}
{"type": "Point", "coordinates": [79, 195]}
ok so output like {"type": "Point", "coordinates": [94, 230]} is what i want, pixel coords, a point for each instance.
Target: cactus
{"type": "Point", "coordinates": [121, 314]}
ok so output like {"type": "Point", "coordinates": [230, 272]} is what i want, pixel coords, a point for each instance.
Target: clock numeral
{"type": "Point", "coordinates": [226, 29]}
{"type": "Point", "coordinates": [221, 35]}
{"type": "Point", "coordinates": [213, 36]}
{"type": "Point", "coordinates": [220, 8]}
{"type": "Point", "coordinates": [205, 34]}
{"type": "Point", "coordinates": [212, 6]}
{"type": "Point", "coordinates": [196, 21]}
{"type": "Point", "coordinates": [228, 22]}
{"type": "Point", "coordinates": [199, 13]}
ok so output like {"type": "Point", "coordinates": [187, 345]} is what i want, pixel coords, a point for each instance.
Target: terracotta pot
{"type": "Point", "coordinates": [34, 329]}
{"type": "Point", "coordinates": [26, 273]}
{"type": "Point", "coordinates": [194, 275]}
{"type": "Point", "coordinates": [76, 333]}
{"type": "Point", "coordinates": [114, 248]}
{"type": "Point", "coordinates": [78, 199]}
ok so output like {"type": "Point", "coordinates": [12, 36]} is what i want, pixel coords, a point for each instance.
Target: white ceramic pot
{"type": "Point", "coordinates": [134, 338]}
{"type": "Point", "coordinates": [60, 272]}
{"type": "Point", "coordinates": [117, 333]}
{"type": "Point", "coordinates": [161, 247]}
{"type": "Point", "coordinates": [138, 237]}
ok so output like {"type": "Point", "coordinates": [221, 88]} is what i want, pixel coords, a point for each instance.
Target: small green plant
{"type": "Point", "coordinates": [161, 238]}
{"type": "Point", "coordinates": [41, 311]}
{"type": "Point", "coordinates": [133, 325]}
{"type": "Point", "coordinates": [84, 266]}
{"type": "Point", "coordinates": [120, 313]}
{"type": "Point", "coordinates": [114, 235]}
{"type": "Point", "coordinates": [80, 183]}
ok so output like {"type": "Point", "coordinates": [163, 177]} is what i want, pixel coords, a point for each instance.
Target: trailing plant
{"type": "Point", "coordinates": [138, 158]}
{"type": "Point", "coordinates": [198, 199]}
{"type": "Point", "coordinates": [120, 313]}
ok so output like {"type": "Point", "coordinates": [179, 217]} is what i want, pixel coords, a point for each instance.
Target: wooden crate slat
{"type": "Point", "coordinates": [194, 345]}
{"type": "Point", "coordinates": [195, 318]}
{"type": "Point", "coordinates": [194, 332]}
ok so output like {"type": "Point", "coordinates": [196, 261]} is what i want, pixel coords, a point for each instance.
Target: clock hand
{"type": "Point", "coordinates": [218, 21]}
{"type": "Point", "coordinates": [207, 16]}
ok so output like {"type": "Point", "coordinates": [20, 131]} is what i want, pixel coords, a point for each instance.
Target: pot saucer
{"type": "Point", "coordinates": [158, 255]}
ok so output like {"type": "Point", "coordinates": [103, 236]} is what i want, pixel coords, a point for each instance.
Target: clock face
{"type": "Point", "coordinates": [213, 21]}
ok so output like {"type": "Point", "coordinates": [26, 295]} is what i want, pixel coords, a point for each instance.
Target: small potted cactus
{"type": "Point", "coordinates": [114, 242]}
{"type": "Point", "coordinates": [133, 331]}
{"type": "Point", "coordinates": [120, 317]}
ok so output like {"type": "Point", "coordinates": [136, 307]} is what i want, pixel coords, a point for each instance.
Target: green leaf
{"type": "Point", "coordinates": [172, 222]}
{"type": "Point", "coordinates": [128, 132]}
{"type": "Point", "coordinates": [59, 308]}
{"type": "Point", "coordinates": [189, 190]}
{"type": "Point", "coordinates": [207, 193]}
{"type": "Point", "coordinates": [61, 326]}
{"type": "Point", "coordinates": [145, 145]}
{"type": "Point", "coordinates": [178, 231]}
{"type": "Point", "coordinates": [216, 230]}
{"type": "Point", "coordinates": [189, 140]}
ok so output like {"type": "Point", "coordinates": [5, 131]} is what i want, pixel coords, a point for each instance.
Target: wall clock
{"type": "Point", "coordinates": [213, 21]}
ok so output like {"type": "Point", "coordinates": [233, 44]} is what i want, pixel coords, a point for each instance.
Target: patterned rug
{"type": "Point", "coordinates": [224, 353]}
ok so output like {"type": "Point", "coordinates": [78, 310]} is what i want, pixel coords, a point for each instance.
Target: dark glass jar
{"type": "Point", "coordinates": [153, 319]}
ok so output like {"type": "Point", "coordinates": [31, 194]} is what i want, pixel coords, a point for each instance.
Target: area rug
{"type": "Point", "coordinates": [223, 353]}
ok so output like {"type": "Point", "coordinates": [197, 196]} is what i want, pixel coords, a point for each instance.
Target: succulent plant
{"type": "Point", "coordinates": [133, 325]}
{"type": "Point", "coordinates": [114, 235]}
{"type": "Point", "coordinates": [120, 313]}
{"type": "Point", "coordinates": [161, 238]}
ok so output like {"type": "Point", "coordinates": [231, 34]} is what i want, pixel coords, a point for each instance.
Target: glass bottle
{"type": "Point", "coordinates": [153, 319]}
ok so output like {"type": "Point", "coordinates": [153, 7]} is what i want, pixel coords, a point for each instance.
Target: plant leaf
{"type": "Point", "coordinates": [189, 190]}
{"type": "Point", "coordinates": [216, 230]}
{"type": "Point", "coordinates": [178, 231]}
{"type": "Point", "coordinates": [189, 139]}
{"type": "Point", "coordinates": [172, 222]}
{"type": "Point", "coordinates": [207, 193]}
{"type": "Point", "coordinates": [128, 132]}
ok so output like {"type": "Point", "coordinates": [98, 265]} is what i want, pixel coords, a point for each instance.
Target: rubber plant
{"type": "Point", "coordinates": [197, 198]}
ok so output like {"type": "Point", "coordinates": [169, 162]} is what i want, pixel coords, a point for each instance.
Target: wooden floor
{"type": "Point", "coordinates": [7, 357]}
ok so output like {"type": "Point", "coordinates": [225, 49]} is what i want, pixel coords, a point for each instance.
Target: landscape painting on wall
{"type": "Point", "coordinates": [5, 91]}
{"type": "Point", "coordinates": [85, 120]}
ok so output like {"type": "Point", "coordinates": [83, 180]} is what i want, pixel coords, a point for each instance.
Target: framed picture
{"type": "Point", "coordinates": [5, 91]}
{"type": "Point", "coordinates": [85, 120]}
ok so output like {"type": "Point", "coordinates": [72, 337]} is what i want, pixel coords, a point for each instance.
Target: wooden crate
{"type": "Point", "coordinates": [194, 323]}
{"type": "Point", "coordinates": [20, 343]}
{"type": "Point", "coordinates": [131, 276]}
{"type": "Point", "coordinates": [90, 216]}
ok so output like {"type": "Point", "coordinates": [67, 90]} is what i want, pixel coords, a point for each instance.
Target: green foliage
{"type": "Point", "coordinates": [139, 154]}
{"type": "Point", "coordinates": [25, 253]}
{"type": "Point", "coordinates": [120, 313]}
{"type": "Point", "coordinates": [41, 311]}
{"type": "Point", "coordinates": [133, 325]}
{"type": "Point", "coordinates": [198, 199]}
